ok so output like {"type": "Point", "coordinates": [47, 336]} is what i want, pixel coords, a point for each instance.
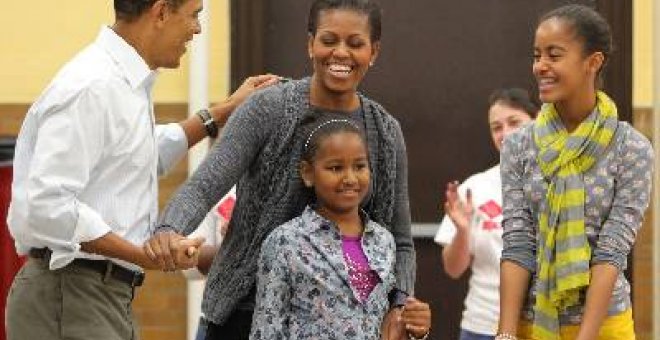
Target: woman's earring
{"type": "Point", "coordinates": [371, 63]}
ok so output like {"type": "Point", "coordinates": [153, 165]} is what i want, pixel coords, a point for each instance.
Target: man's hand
{"type": "Point", "coordinates": [188, 251]}
{"type": "Point", "coordinates": [221, 112]}
{"type": "Point", "coordinates": [172, 251]}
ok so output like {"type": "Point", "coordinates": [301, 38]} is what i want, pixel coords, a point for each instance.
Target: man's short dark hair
{"type": "Point", "coordinates": [129, 10]}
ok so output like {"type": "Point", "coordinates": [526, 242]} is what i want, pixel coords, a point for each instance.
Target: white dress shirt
{"type": "Point", "coordinates": [89, 154]}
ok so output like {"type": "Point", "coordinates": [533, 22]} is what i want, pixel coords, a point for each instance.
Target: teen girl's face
{"type": "Point", "coordinates": [340, 51]}
{"type": "Point", "coordinates": [561, 68]}
{"type": "Point", "coordinates": [504, 120]}
{"type": "Point", "coordinates": [339, 173]}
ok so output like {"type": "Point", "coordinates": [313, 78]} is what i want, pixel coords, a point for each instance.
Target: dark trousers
{"type": "Point", "coordinates": [237, 326]}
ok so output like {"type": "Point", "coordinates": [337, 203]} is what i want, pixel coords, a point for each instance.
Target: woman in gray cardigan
{"type": "Point", "coordinates": [260, 147]}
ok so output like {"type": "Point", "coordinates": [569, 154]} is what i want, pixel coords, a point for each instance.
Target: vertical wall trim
{"type": "Point", "coordinates": [198, 98]}
{"type": "Point", "coordinates": [656, 189]}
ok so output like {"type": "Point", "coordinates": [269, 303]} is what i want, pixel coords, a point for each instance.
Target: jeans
{"type": "Point", "coordinates": [202, 326]}
{"type": "Point", "coordinates": [467, 335]}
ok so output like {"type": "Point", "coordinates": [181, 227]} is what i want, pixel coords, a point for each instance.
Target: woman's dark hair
{"type": "Point", "coordinates": [367, 7]}
{"type": "Point", "coordinates": [589, 26]}
{"type": "Point", "coordinates": [516, 98]}
{"type": "Point", "coordinates": [129, 10]}
{"type": "Point", "coordinates": [317, 127]}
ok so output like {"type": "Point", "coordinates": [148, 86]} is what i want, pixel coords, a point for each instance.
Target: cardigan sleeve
{"type": "Point", "coordinates": [401, 223]}
{"type": "Point", "coordinates": [240, 141]}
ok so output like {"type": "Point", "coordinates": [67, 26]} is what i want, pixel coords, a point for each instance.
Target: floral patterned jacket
{"type": "Point", "coordinates": [303, 289]}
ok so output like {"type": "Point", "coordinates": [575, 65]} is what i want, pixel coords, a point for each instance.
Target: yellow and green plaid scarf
{"type": "Point", "coordinates": [564, 253]}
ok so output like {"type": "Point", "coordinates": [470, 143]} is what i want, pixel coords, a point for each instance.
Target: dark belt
{"type": "Point", "coordinates": [104, 267]}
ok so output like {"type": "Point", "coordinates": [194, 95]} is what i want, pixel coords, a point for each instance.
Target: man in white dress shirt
{"type": "Point", "coordinates": [87, 162]}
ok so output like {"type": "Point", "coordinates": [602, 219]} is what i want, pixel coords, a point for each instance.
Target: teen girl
{"type": "Point", "coordinates": [575, 187]}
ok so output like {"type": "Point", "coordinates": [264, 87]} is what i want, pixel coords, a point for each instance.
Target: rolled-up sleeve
{"type": "Point", "coordinates": [632, 189]}
{"type": "Point", "coordinates": [519, 235]}
{"type": "Point", "coordinates": [172, 146]}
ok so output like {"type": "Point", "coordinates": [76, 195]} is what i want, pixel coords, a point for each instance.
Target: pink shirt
{"type": "Point", "coordinates": [363, 279]}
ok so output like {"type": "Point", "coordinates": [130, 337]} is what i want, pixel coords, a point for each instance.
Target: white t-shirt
{"type": "Point", "coordinates": [482, 303]}
{"type": "Point", "coordinates": [211, 228]}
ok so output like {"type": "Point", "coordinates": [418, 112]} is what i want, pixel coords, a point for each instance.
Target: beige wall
{"type": "Point", "coordinates": [38, 37]}
{"type": "Point", "coordinates": [642, 53]}
{"type": "Point", "coordinates": [643, 120]}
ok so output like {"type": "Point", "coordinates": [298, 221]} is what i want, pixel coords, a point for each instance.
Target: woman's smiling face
{"type": "Point", "coordinates": [341, 51]}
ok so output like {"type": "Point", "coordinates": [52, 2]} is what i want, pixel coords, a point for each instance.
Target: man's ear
{"type": "Point", "coordinates": [159, 11]}
{"type": "Point", "coordinates": [307, 174]}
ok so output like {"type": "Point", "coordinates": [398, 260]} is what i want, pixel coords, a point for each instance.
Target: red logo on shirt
{"type": "Point", "coordinates": [492, 210]}
{"type": "Point", "coordinates": [226, 206]}
{"type": "Point", "coordinates": [490, 225]}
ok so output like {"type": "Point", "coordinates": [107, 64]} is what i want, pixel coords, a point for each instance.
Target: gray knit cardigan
{"type": "Point", "coordinates": [259, 149]}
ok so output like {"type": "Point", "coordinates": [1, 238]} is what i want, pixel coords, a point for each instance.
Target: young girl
{"type": "Point", "coordinates": [575, 186]}
{"type": "Point", "coordinates": [326, 274]}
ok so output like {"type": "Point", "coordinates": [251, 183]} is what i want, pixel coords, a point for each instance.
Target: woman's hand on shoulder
{"type": "Point", "coordinates": [250, 85]}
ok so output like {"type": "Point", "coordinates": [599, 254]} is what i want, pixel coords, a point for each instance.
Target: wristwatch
{"type": "Point", "coordinates": [209, 124]}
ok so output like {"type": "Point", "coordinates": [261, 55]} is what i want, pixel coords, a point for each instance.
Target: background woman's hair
{"type": "Point", "coordinates": [516, 98]}
{"type": "Point", "coordinates": [315, 128]}
{"type": "Point", "coordinates": [366, 7]}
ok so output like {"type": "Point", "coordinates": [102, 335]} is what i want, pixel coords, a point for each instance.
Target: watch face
{"type": "Point", "coordinates": [205, 114]}
{"type": "Point", "coordinates": [209, 124]}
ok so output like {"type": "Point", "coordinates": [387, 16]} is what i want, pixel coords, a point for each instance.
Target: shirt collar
{"type": "Point", "coordinates": [134, 68]}
{"type": "Point", "coordinates": [314, 222]}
